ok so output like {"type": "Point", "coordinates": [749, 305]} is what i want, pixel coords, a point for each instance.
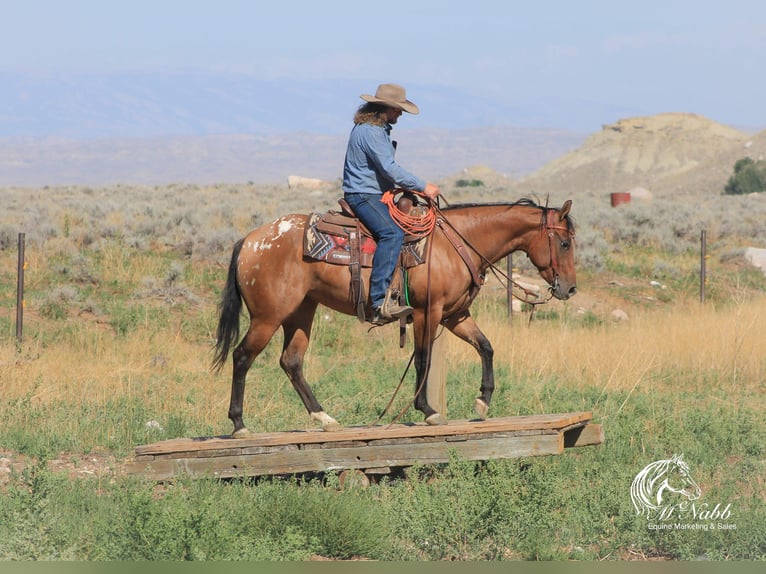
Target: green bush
{"type": "Point", "coordinates": [749, 177]}
{"type": "Point", "coordinates": [469, 183]}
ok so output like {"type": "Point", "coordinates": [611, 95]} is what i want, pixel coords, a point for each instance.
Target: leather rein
{"type": "Point", "coordinates": [435, 218]}
{"type": "Point", "coordinates": [547, 226]}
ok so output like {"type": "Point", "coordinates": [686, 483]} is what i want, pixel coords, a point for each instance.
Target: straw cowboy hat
{"type": "Point", "coordinates": [392, 95]}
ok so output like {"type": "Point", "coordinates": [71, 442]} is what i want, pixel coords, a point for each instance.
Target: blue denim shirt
{"type": "Point", "coordinates": [370, 166]}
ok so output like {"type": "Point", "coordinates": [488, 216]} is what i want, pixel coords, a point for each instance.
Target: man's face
{"type": "Point", "coordinates": [392, 114]}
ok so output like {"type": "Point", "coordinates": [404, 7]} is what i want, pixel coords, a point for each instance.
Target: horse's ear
{"type": "Point", "coordinates": [564, 211]}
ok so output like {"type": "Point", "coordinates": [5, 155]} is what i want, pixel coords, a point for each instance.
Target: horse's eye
{"type": "Point", "coordinates": [565, 245]}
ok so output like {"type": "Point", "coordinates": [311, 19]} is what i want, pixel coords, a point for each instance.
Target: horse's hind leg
{"type": "Point", "coordinates": [297, 329]}
{"type": "Point", "coordinates": [466, 328]}
{"type": "Point", "coordinates": [254, 341]}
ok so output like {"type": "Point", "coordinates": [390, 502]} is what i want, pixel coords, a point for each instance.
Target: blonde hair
{"type": "Point", "coordinates": [370, 113]}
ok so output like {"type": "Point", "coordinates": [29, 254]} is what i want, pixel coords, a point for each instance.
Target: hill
{"type": "Point", "coordinates": [666, 154]}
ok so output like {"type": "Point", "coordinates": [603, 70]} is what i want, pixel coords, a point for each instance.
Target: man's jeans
{"type": "Point", "coordinates": [388, 236]}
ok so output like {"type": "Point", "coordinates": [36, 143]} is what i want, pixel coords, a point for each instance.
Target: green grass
{"type": "Point", "coordinates": [573, 506]}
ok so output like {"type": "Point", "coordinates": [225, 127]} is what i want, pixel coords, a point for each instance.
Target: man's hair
{"type": "Point", "coordinates": [370, 113]}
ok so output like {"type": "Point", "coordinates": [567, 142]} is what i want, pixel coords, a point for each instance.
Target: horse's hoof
{"type": "Point", "coordinates": [481, 408]}
{"type": "Point", "coordinates": [329, 424]}
{"type": "Point", "coordinates": [331, 427]}
{"type": "Point", "coordinates": [242, 433]}
{"type": "Point", "coordinates": [436, 419]}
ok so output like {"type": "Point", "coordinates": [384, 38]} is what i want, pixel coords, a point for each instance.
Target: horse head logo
{"type": "Point", "coordinates": [651, 484]}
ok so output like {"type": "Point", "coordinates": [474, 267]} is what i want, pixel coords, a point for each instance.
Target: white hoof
{"type": "Point", "coordinates": [481, 408]}
{"type": "Point", "coordinates": [242, 433]}
{"type": "Point", "coordinates": [329, 424]}
{"type": "Point", "coordinates": [436, 419]}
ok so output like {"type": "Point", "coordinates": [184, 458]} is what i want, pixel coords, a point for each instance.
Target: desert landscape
{"type": "Point", "coordinates": [122, 282]}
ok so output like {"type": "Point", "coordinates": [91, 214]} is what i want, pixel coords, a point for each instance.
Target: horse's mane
{"type": "Point", "coordinates": [523, 202]}
{"type": "Point", "coordinates": [642, 489]}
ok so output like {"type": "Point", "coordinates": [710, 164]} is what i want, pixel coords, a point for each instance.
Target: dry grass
{"type": "Point", "coordinates": [93, 366]}
{"type": "Point", "coordinates": [687, 347]}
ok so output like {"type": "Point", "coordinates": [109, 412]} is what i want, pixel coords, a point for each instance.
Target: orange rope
{"type": "Point", "coordinates": [420, 225]}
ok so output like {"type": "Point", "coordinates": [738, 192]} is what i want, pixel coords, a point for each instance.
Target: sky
{"type": "Point", "coordinates": [706, 57]}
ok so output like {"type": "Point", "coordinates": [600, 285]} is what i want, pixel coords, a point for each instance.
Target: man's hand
{"type": "Point", "coordinates": [431, 191]}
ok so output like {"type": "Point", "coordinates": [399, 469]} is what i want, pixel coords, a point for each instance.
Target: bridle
{"type": "Point", "coordinates": [548, 226]}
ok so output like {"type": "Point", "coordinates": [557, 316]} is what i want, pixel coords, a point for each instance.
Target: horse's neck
{"type": "Point", "coordinates": [660, 492]}
{"type": "Point", "coordinates": [497, 232]}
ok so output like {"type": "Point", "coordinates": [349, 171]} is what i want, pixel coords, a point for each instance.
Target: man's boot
{"type": "Point", "coordinates": [389, 311]}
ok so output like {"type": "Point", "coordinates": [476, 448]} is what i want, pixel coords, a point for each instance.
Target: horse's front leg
{"type": "Point", "coordinates": [424, 340]}
{"type": "Point", "coordinates": [466, 328]}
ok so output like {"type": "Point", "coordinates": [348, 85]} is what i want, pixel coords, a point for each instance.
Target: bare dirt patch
{"type": "Point", "coordinates": [75, 465]}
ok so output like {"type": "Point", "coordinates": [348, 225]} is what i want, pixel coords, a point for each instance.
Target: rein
{"type": "Point", "coordinates": [545, 226]}
{"type": "Point", "coordinates": [425, 225]}
{"type": "Point", "coordinates": [426, 336]}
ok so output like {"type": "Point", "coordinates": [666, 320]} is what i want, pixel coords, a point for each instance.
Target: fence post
{"type": "Point", "coordinates": [436, 393]}
{"type": "Point", "coordinates": [20, 290]}
{"type": "Point", "coordinates": [509, 290]}
{"type": "Point", "coordinates": [703, 264]}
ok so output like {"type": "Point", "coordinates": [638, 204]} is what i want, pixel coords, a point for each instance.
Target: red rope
{"type": "Point", "coordinates": [417, 225]}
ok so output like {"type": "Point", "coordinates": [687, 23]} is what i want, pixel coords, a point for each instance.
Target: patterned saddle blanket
{"type": "Point", "coordinates": [330, 237]}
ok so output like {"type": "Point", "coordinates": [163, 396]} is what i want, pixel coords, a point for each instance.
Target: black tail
{"type": "Point", "coordinates": [229, 309]}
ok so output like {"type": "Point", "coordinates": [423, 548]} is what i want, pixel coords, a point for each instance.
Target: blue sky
{"type": "Point", "coordinates": [645, 57]}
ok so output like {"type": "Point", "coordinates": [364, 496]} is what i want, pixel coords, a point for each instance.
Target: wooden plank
{"type": "Point", "coordinates": [327, 459]}
{"type": "Point", "coordinates": [378, 447]}
{"type": "Point", "coordinates": [590, 434]}
{"type": "Point", "coordinates": [528, 422]}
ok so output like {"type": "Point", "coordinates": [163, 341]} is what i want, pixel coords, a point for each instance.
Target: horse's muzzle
{"type": "Point", "coordinates": [562, 291]}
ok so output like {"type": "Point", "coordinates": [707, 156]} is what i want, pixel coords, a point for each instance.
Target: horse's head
{"type": "Point", "coordinates": [657, 479]}
{"type": "Point", "coordinates": [679, 479]}
{"type": "Point", "coordinates": [552, 252]}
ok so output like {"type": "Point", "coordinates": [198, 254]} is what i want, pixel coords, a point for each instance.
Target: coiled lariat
{"type": "Point", "coordinates": [419, 225]}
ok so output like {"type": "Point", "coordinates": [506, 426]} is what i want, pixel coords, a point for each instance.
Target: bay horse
{"type": "Point", "coordinates": [281, 288]}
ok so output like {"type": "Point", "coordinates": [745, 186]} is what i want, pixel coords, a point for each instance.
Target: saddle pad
{"type": "Point", "coordinates": [333, 247]}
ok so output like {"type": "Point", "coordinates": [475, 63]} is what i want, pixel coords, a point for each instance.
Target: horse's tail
{"type": "Point", "coordinates": [229, 309]}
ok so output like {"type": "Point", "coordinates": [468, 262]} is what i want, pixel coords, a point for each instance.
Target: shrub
{"type": "Point", "coordinates": [749, 177]}
{"type": "Point", "coordinates": [469, 183]}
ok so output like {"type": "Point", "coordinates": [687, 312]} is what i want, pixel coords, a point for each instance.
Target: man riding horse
{"type": "Point", "coordinates": [370, 170]}
{"type": "Point", "coordinates": [466, 242]}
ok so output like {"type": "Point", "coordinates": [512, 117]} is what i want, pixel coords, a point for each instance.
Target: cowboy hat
{"type": "Point", "coordinates": [392, 95]}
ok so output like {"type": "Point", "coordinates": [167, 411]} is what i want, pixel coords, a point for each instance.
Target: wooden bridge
{"type": "Point", "coordinates": [370, 449]}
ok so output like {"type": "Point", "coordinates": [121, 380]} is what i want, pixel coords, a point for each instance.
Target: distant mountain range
{"type": "Point", "coordinates": [193, 102]}
{"type": "Point", "coordinates": [203, 127]}
{"type": "Point", "coordinates": [266, 159]}
{"type": "Point", "coordinates": [154, 128]}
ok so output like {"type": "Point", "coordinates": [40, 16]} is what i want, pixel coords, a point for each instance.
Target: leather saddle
{"type": "Point", "coordinates": [339, 238]}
